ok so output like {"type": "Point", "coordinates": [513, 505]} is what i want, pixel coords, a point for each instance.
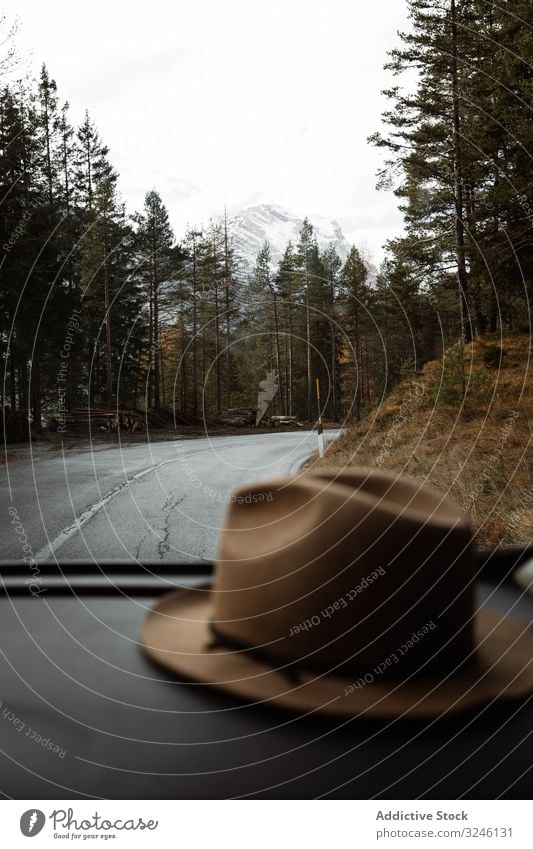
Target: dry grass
{"type": "Point", "coordinates": [478, 450]}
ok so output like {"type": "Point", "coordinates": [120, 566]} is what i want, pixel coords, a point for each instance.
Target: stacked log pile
{"type": "Point", "coordinates": [237, 417]}
{"type": "Point", "coordinates": [246, 417]}
{"type": "Point", "coordinates": [285, 421]}
{"type": "Point", "coordinates": [111, 420]}
{"type": "Point", "coordinates": [126, 420]}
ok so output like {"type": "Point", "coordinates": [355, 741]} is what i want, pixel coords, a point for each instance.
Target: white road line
{"type": "Point", "coordinates": [51, 547]}
{"type": "Point", "coordinates": [54, 545]}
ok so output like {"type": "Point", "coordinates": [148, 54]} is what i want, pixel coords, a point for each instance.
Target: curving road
{"type": "Point", "coordinates": [156, 502]}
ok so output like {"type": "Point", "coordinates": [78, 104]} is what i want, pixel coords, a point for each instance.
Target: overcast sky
{"type": "Point", "coordinates": [230, 101]}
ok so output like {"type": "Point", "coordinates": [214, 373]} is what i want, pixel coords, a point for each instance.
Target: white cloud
{"type": "Point", "coordinates": [237, 102]}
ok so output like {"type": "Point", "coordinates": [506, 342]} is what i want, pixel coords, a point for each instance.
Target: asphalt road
{"type": "Point", "coordinates": [154, 502]}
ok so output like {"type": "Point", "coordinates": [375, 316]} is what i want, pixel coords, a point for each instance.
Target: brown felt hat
{"type": "Point", "coordinates": [347, 594]}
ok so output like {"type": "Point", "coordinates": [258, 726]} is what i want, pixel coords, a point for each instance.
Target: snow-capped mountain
{"type": "Point", "coordinates": [252, 227]}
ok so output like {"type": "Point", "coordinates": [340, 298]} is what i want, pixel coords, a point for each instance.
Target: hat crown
{"type": "Point", "coordinates": [354, 570]}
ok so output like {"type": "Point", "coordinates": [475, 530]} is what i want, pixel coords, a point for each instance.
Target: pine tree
{"type": "Point", "coordinates": [354, 297]}
{"type": "Point", "coordinates": [15, 214]}
{"type": "Point", "coordinates": [264, 315]}
{"type": "Point", "coordinates": [286, 283]}
{"type": "Point", "coordinates": [307, 262]}
{"type": "Point", "coordinates": [48, 123]}
{"type": "Point", "coordinates": [92, 163]}
{"type": "Point", "coordinates": [427, 136]}
{"type": "Point", "coordinates": [459, 146]}
{"type": "Point", "coordinates": [191, 276]}
{"type": "Point", "coordinates": [155, 243]}
{"type": "Point", "coordinates": [332, 265]}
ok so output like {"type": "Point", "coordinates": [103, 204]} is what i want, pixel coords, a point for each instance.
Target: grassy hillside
{"type": "Point", "coordinates": [467, 431]}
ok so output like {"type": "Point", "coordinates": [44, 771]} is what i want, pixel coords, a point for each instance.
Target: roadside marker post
{"type": "Point", "coordinates": [320, 431]}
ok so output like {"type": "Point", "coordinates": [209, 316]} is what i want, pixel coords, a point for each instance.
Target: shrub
{"type": "Point", "coordinates": [493, 356]}
{"type": "Point", "coordinates": [457, 384]}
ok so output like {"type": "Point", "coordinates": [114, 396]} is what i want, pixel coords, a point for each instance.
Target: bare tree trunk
{"type": "Point", "coordinates": [218, 393]}
{"type": "Point", "coordinates": [290, 357]}
{"type": "Point", "coordinates": [23, 382]}
{"type": "Point", "coordinates": [204, 351]}
{"type": "Point", "coordinates": [12, 378]}
{"type": "Point", "coordinates": [157, 383]}
{"type": "Point", "coordinates": [286, 371]}
{"type": "Point", "coordinates": [72, 370]}
{"type": "Point", "coordinates": [333, 363]}
{"type": "Point", "coordinates": [162, 369]}
{"type": "Point", "coordinates": [226, 288]}
{"type": "Point", "coordinates": [358, 366]}
{"type": "Point", "coordinates": [107, 310]}
{"type": "Point", "coordinates": [493, 309]}
{"type": "Point", "coordinates": [194, 331]}
{"type": "Point", "coordinates": [368, 372]}
{"type": "Point", "coordinates": [136, 381]}
{"type": "Point", "coordinates": [462, 276]}
{"type": "Point", "coordinates": [362, 369]}
{"type": "Point", "coordinates": [218, 390]}
{"type": "Point", "coordinates": [308, 340]}
{"type": "Point", "coordinates": [157, 354]}
{"type": "Point", "coordinates": [97, 371]}
{"type": "Point", "coordinates": [183, 370]}
{"type": "Point", "coordinates": [278, 357]}
{"type": "Point", "coordinates": [332, 371]}
{"type": "Point", "coordinates": [277, 348]}
{"type": "Point", "coordinates": [371, 369]}
{"type": "Point", "coordinates": [150, 376]}
{"type": "Point", "coordinates": [36, 391]}
{"type": "Point", "coordinates": [493, 300]}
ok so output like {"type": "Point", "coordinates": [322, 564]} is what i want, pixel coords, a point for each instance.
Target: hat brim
{"type": "Point", "coordinates": [176, 635]}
